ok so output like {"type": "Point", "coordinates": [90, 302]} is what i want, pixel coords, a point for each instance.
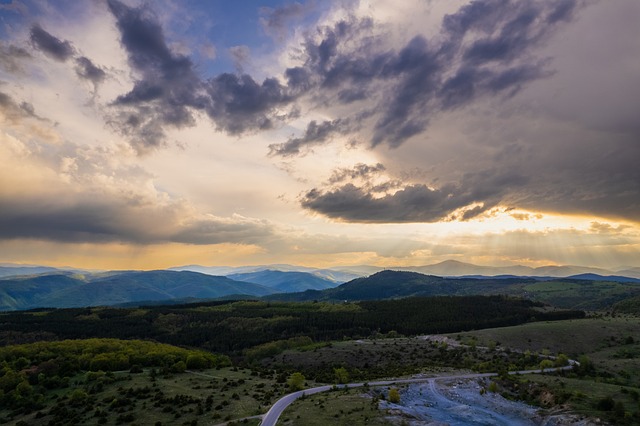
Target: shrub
{"type": "Point", "coordinates": [394, 396]}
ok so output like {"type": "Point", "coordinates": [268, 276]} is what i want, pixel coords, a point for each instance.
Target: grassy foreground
{"type": "Point", "coordinates": [110, 381]}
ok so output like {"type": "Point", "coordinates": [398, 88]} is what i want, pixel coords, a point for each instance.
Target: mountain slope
{"type": "Point", "coordinates": [62, 291]}
{"type": "Point", "coordinates": [27, 292]}
{"type": "Point", "coordinates": [596, 277]}
{"type": "Point", "coordinates": [285, 282]}
{"type": "Point", "coordinates": [399, 284]}
{"type": "Point", "coordinates": [562, 292]}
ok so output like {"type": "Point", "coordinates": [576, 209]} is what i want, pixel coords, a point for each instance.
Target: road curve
{"type": "Point", "coordinates": [272, 416]}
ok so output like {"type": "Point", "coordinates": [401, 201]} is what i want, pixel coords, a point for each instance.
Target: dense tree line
{"type": "Point", "coordinates": [28, 371]}
{"type": "Point", "coordinates": [231, 327]}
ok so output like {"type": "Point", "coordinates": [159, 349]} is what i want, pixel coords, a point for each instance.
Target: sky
{"type": "Point", "coordinates": [150, 134]}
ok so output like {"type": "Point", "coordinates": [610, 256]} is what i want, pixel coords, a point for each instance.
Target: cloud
{"type": "Point", "coordinates": [69, 193]}
{"type": "Point", "coordinates": [606, 228]}
{"type": "Point", "coordinates": [85, 69]}
{"type": "Point", "coordinates": [167, 88]}
{"type": "Point", "coordinates": [168, 91]}
{"type": "Point", "coordinates": [315, 134]}
{"type": "Point", "coordinates": [12, 57]}
{"type": "Point", "coordinates": [15, 112]}
{"type": "Point", "coordinates": [410, 203]}
{"type": "Point", "coordinates": [484, 49]}
{"type": "Point", "coordinates": [238, 104]}
{"type": "Point", "coordinates": [60, 50]}
{"type": "Point", "coordinates": [359, 171]}
{"type": "Point", "coordinates": [274, 20]}
{"type": "Point", "coordinates": [102, 217]}
{"type": "Point", "coordinates": [240, 56]}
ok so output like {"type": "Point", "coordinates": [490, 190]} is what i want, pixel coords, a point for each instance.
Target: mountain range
{"type": "Point", "coordinates": [71, 290]}
{"type": "Point", "coordinates": [448, 268]}
{"type": "Point", "coordinates": [33, 286]}
{"type": "Point", "coordinates": [341, 274]}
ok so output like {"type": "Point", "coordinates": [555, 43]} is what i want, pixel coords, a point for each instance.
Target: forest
{"type": "Point", "coordinates": [233, 327]}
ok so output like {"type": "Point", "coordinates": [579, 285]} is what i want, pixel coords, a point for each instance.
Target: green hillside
{"type": "Point", "coordinates": [562, 293]}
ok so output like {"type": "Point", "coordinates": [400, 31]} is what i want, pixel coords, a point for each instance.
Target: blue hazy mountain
{"type": "Point", "coordinates": [286, 282]}
{"type": "Point", "coordinates": [63, 291]}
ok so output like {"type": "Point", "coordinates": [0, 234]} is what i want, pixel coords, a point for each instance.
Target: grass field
{"type": "Point", "coordinates": [343, 408]}
{"type": "Point", "coordinates": [581, 294]}
{"type": "Point", "coordinates": [207, 397]}
{"type": "Point", "coordinates": [572, 337]}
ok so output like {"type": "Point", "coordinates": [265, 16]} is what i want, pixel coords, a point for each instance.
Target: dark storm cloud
{"type": "Point", "coordinates": [475, 194]}
{"type": "Point", "coordinates": [168, 87]}
{"type": "Point", "coordinates": [238, 104]}
{"type": "Point", "coordinates": [316, 133]}
{"type": "Point", "coordinates": [60, 50]}
{"type": "Point", "coordinates": [103, 218]}
{"type": "Point", "coordinates": [416, 203]}
{"type": "Point", "coordinates": [485, 49]}
{"type": "Point", "coordinates": [170, 91]}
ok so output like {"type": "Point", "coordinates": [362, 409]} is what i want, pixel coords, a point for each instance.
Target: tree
{"type": "Point", "coordinates": [546, 363]}
{"type": "Point", "coordinates": [197, 361]}
{"type": "Point", "coordinates": [296, 381]}
{"type": "Point", "coordinates": [394, 396]}
{"type": "Point", "coordinates": [562, 360]}
{"type": "Point", "coordinates": [178, 367]}
{"type": "Point", "coordinates": [341, 375]}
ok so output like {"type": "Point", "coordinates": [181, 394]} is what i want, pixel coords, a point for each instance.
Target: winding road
{"type": "Point", "coordinates": [272, 416]}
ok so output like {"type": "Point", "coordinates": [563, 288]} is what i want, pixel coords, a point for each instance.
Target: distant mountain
{"type": "Point", "coordinates": [230, 270]}
{"type": "Point", "coordinates": [14, 271]}
{"type": "Point", "coordinates": [358, 270]}
{"type": "Point", "coordinates": [448, 268]}
{"type": "Point", "coordinates": [568, 270]}
{"type": "Point", "coordinates": [399, 284]}
{"type": "Point", "coordinates": [285, 282]}
{"type": "Point", "coordinates": [560, 292]}
{"type": "Point", "coordinates": [336, 276]}
{"type": "Point", "coordinates": [25, 293]}
{"type": "Point", "coordinates": [596, 277]}
{"type": "Point", "coordinates": [68, 291]}
{"type": "Point", "coordinates": [629, 272]}
{"type": "Point", "coordinates": [454, 268]}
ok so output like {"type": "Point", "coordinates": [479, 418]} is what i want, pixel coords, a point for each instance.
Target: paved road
{"type": "Point", "coordinates": [276, 409]}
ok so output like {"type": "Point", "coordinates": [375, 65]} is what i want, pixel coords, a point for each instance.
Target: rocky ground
{"type": "Point", "coordinates": [468, 402]}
